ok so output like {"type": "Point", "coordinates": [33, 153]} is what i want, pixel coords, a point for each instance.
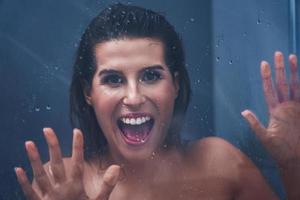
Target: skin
{"type": "Point", "coordinates": [210, 168]}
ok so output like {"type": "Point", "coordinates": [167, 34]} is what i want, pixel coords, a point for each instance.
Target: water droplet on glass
{"type": "Point", "coordinates": [48, 107]}
{"type": "Point", "coordinates": [192, 19]}
{"type": "Point", "coordinates": [258, 21]}
{"type": "Point", "coordinates": [230, 62]}
{"type": "Point", "coordinates": [244, 34]}
{"type": "Point", "coordinates": [218, 59]}
{"type": "Point", "coordinates": [220, 40]}
{"type": "Point", "coordinates": [37, 109]}
{"type": "Point", "coordinates": [260, 16]}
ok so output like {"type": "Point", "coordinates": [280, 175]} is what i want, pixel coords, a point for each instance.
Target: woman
{"type": "Point", "coordinates": [129, 94]}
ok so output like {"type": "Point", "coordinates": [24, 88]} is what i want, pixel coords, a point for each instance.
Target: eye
{"type": "Point", "coordinates": [151, 75]}
{"type": "Point", "coordinates": [112, 80]}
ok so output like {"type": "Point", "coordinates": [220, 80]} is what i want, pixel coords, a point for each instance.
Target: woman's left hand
{"type": "Point", "coordinates": [282, 135]}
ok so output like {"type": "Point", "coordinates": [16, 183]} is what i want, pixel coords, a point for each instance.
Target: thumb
{"type": "Point", "coordinates": [255, 124]}
{"type": "Point", "coordinates": [110, 179]}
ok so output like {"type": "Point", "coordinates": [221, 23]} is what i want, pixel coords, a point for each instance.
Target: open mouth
{"type": "Point", "coordinates": [136, 130]}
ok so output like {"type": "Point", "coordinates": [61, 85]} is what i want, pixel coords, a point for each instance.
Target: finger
{"type": "Point", "coordinates": [110, 179]}
{"type": "Point", "coordinates": [56, 167]}
{"type": "Point", "coordinates": [77, 154]}
{"type": "Point", "coordinates": [280, 77]}
{"type": "Point", "coordinates": [37, 166]}
{"type": "Point", "coordinates": [269, 91]}
{"type": "Point", "coordinates": [294, 83]}
{"type": "Point", "coordinates": [27, 189]}
{"type": "Point", "coordinates": [255, 125]}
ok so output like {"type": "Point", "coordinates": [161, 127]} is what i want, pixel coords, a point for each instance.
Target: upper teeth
{"type": "Point", "coordinates": [135, 121]}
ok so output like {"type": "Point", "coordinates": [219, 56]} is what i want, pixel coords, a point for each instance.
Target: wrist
{"type": "Point", "coordinates": [290, 173]}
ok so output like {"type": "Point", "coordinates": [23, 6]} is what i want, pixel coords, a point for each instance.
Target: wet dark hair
{"type": "Point", "coordinates": [119, 22]}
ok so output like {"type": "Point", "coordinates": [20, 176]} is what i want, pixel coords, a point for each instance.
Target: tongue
{"type": "Point", "coordinates": [136, 133]}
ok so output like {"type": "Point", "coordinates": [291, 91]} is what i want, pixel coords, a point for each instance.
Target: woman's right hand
{"type": "Point", "coordinates": [52, 182]}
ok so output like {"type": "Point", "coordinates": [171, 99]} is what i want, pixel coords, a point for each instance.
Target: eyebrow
{"type": "Point", "coordinates": [108, 71]}
{"type": "Point", "coordinates": [112, 71]}
{"type": "Point", "coordinates": [158, 67]}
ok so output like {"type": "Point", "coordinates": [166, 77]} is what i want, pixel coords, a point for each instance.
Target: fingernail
{"type": "Point", "coordinates": [263, 62]}
{"type": "Point", "coordinates": [293, 57]}
{"type": "Point", "coordinates": [45, 129]}
{"type": "Point", "coordinates": [15, 169]}
{"type": "Point", "coordinates": [76, 131]}
{"type": "Point", "coordinates": [29, 144]}
{"type": "Point", "coordinates": [245, 113]}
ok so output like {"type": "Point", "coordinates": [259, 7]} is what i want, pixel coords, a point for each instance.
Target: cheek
{"type": "Point", "coordinates": [165, 98]}
{"type": "Point", "coordinates": [104, 102]}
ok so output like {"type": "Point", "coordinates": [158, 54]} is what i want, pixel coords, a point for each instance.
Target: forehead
{"type": "Point", "coordinates": [129, 50]}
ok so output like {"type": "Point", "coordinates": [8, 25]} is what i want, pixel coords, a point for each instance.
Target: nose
{"type": "Point", "coordinates": [134, 97]}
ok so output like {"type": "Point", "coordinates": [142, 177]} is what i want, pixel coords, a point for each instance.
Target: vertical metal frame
{"type": "Point", "coordinates": [294, 26]}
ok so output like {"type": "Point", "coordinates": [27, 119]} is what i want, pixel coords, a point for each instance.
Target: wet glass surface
{"type": "Point", "coordinates": [224, 43]}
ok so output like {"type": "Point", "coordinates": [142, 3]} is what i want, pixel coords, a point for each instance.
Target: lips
{"type": "Point", "coordinates": [136, 128]}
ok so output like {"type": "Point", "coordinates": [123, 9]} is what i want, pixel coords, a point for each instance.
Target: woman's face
{"type": "Point", "coordinates": [133, 95]}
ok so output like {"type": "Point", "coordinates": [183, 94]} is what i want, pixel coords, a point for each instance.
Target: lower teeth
{"type": "Point", "coordinates": [136, 133]}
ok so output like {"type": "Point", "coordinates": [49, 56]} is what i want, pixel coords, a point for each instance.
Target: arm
{"type": "Point", "coordinates": [282, 135]}
{"type": "Point", "coordinates": [52, 182]}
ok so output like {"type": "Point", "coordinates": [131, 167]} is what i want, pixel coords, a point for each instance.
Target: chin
{"type": "Point", "coordinates": [140, 153]}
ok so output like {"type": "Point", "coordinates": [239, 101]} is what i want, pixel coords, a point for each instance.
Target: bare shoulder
{"type": "Point", "coordinates": [216, 150]}
{"type": "Point", "coordinates": [209, 142]}
{"type": "Point", "coordinates": [218, 158]}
